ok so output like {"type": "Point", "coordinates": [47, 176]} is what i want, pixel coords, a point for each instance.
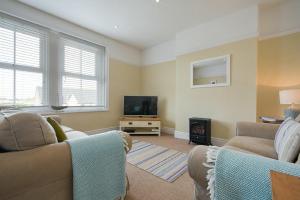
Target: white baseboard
{"type": "Point", "coordinates": [177, 134]}
{"type": "Point", "coordinates": [102, 130]}
{"type": "Point", "coordinates": [181, 135]}
{"type": "Point", "coordinates": [168, 130]}
{"type": "Point", "coordinates": [185, 136]}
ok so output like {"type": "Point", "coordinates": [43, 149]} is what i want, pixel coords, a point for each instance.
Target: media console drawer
{"type": "Point", "coordinates": [139, 123]}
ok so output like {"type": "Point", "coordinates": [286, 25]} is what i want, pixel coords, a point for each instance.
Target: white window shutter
{"type": "Point", "coordinates": [40, 68]}
{"type": "Point", "coordinates": [80, 72]}
{"type": "Point", "coordinates": [22, 66]}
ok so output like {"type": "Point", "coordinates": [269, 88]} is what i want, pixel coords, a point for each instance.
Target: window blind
{"type": "Point", "coordinates": [22, 64]}
{"type": "Point", "coordinates": [40, 67]}
{"type": "Point", "coordinates": [82, 67]}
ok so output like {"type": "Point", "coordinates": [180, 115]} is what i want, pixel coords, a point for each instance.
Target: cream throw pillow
{"type": "Point", "coordinates": [22, 131]}
{"type": "Point", "coordinates": [287, 140]}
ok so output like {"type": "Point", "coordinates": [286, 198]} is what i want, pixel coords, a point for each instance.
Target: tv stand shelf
{"type": "Point", "coordinates": [150, 125]}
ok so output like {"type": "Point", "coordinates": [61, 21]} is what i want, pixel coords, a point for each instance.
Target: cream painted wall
{"type": "Point", "coordinates": [278, 68]}
{"type": "Point", "coordinates": [225, 105]}
{"type": "Point", "coordinates": [279, 19]}
{"type": "Point", "coordinates": [124, 79]}
{"type": "Point", "coordinates": [159, 80]}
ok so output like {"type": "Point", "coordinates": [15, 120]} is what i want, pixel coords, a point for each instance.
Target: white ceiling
{"type": "Point", "coordinates": [141, 23]}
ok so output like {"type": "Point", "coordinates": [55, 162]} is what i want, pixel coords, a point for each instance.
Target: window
{"type": "Point", "coordinates": [72, 74]}
{"type": "Point", "coordinates": [82, 70]}
{"type": "Point", "coordinates": [22, 65]}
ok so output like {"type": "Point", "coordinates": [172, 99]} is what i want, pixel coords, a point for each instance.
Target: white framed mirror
{"type": "Point", "coordinates": [211, 72]}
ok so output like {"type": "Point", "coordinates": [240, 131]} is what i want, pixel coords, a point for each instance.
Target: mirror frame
{"type": "Point", "coordinates": [228, 78]}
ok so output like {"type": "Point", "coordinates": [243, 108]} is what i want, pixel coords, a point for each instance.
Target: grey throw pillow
{"type": "Point", "coordinates": [287, 140]}
{"type": "Point", "coordinates": [22, 131]}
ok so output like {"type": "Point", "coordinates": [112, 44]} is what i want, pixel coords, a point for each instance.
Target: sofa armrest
{"type": "Point", "coordinates": [261, 130]}
{"type": "Point", "coordinates": [127, 141]}
{"type": "Point", "coordinates": [37, 173]}
{"type": "Point", "coordinates": [196, 169]}
{"type": "Point", "coordinates": [247, 175]}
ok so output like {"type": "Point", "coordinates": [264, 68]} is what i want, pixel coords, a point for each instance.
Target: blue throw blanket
{"type": "Point", "coordinates": [98, 167]}
{"type": "Point", "coordinates": [241, 176]}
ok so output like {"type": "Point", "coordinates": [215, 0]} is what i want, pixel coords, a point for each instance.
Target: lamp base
{"type": "Point", "coordinates": [291, 112]}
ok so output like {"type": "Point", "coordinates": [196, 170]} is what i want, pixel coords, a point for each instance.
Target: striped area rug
{"type": "Point", "coordinates": [162, 162]}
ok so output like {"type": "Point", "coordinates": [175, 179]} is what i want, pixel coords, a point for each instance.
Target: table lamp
{"type": "Point", "coordinates": [290, 97]}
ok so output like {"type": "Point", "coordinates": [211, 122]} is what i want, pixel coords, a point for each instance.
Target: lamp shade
{"type": "Point", "coordinates": [289, 96]}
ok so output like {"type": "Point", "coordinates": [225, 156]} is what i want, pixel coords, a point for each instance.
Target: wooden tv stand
{"type": "Point", "coordinates": [143, 125]}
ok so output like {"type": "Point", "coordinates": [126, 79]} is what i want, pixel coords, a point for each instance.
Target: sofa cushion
{"type": "Point", "coordinates": [260, 146]}
{"type": "Point", "coordinates": [239, 149]}
{"type": "Point", "coordinates": [196, 169]}
{"type": "Point", "coordinates": [287, 140]}
{"type": "Point", "coordinates": [22, 131]}
{"type": "Point", "coordinates": [66, 128]}
{"type": "Point", "coordinates": [75, 134]}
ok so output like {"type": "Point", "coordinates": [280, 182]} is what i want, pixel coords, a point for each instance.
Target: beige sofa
{"type": "Point", "coordinates": [252, 138]}
{"type": "Point", "coordinates": [41, 173]}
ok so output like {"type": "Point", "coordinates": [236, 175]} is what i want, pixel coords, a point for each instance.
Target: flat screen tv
{"type": "Point", "coordinates": [140, 105]}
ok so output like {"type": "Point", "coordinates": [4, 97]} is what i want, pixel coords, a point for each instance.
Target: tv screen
{"type": "Point", "coordinates": [140, 105]}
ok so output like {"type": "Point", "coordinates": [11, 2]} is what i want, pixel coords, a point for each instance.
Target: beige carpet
{"type": "Point", "coordinates": [145, 186]}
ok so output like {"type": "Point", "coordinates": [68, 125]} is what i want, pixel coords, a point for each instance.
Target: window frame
{"type": "Point", "coordinates": [52, 70]}
{"type": "Point", "coordinates": [43, 64]}
{"type": "Point", "coordinates": [67, 40]}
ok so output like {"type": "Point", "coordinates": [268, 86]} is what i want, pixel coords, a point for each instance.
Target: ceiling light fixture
{"type": "Point", "coordinates": [116, 27]}
{"type": "Point", "coordinates": [157, 1]}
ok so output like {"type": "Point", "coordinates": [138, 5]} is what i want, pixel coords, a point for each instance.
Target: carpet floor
{"type": "Point", "coordinates": [145, 186]}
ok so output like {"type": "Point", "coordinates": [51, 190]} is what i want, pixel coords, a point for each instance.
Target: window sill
{"type": "Point", "coordinates": [80, 110]}
{"type": "Point", "coordinates": [49, 111]}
